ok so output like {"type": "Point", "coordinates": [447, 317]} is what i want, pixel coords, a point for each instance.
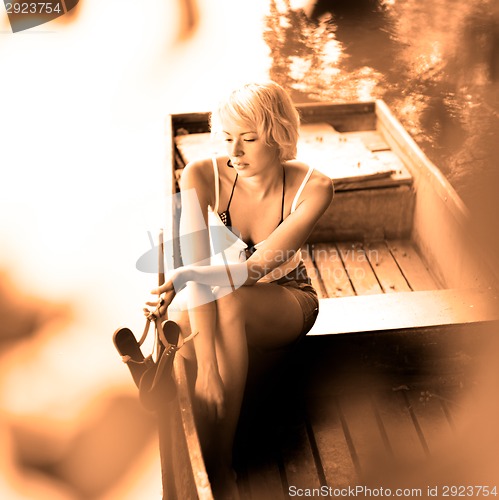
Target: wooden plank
{"type": "Point", "coordinates": [313, 273]}
{"type": "Point", "coordinates": [389, 161]}
{"type": "Point", "coordinates": [432, 419]}
{"type": "Point", "coordinates": [415, 271]}
{"type": "Point", "coordinates": [343, 117]}
{"type": "Point", "coordinates": [381, 427]}
{"type": "Point", "coordinates": [368, 214]}
{"type": "Point", "coordinates": [298, 457]}
{"type": "Point", "coordinates": [191, 478]}
{"type": "Point", "coordinates": [358, 268]}
{"type": "Point", "coordinates": [365, 432]}
{"type": "Point", "coordinates": [396, 179]}
{"type": "Point", "coordinates": [342, 157]}
{"type": "Point", "coordinates": [372, 139]}
{"type": "Point", "coordinates": [192, 123]}
{"type": "Point", "coordinates": [333, 274]}
{"type": "Point", "coordinates": [243, 483]}
{"type": "Point", "coordinates": [415, 422]}
{"type": "Point", "coordinates": [402, 436]}
{"type": "Point", "coordinates": [258, 459]}
{"type": "Point", "coordinates": [404, 310]}
{"type": "Point", "coordinates": [384, 265]}
{"type": "Point", "coordinates": [354, 160]}
{"type": "Point", "coordinates": [458, 405]}
{"type": "Point", "coordinates": [264, 478]}
{"type": "Point", "coordinates": [336, 458]}
{"type": "Point", "coordinates": [452, 403]}
{"type": "Point", "coordinates": [199, 146]}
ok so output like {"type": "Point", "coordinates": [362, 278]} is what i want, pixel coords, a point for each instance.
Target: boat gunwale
{"type": "Point", "coordinates": [415, 154]}
{"type": "Point", "coordinates": [424, 171]}
{"type": "Point", "coordinates": [196, 460]}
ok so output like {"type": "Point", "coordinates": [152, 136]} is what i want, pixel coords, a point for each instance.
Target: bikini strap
{"type": "Point", "coordinates": [217, 183]}
{"type": "Point", "coordinates": [300, 189]}
{"type": "Point", "coordinates": [232, 192]}
{"type": "Point", "coordinates": [283, 190]}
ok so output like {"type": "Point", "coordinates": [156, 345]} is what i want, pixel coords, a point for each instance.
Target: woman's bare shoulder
{"type": "Point", "coordinates": [317, 180]}
{"type": "Point", "coordinates": [323, 184]}
{"type": "Point", "coordinates": [318, 187]}
{"type": "Point", "coordinates": [199, 168]}
{"type": "Point", "coordinates": [198, 174]}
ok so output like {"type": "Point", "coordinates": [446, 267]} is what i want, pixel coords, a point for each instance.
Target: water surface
{"type": "Point", "coordinates": [436, 64]}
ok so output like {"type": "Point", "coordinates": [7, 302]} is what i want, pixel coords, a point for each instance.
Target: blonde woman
{"type": "Point", "coordinates": [263, 204]}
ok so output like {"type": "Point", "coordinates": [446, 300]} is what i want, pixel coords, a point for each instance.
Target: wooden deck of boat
{"type": "Point", "coordinates": [351, 408]}
{"type": "Point", "coordinates": [386, 285]}
{"type": "Point", "coordinates": [345, 269]}
{"type": "Point", "coordinates": [345, 440]}
{"type": "Point", "coordinates": [341, 442]}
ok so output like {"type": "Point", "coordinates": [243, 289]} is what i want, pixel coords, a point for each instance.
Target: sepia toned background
{"type": "Point", "coordinates": [82, 160]}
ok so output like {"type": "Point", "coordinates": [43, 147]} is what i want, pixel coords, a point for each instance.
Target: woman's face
{"type": "Point", "coordinates": [247, 150]}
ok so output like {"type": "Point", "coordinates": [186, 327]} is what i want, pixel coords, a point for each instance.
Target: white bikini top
{"type": "Point", "coordinates": [227, 247]}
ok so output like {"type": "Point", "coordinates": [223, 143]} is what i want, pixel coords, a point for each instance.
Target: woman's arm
{"type": "Point", "coordinates": [293, 232]}
{"type": "Point", "coordinates": [280, 246]}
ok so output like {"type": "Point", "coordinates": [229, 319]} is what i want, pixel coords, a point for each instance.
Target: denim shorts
{"type": "Point", "coordinates": [309, 302]}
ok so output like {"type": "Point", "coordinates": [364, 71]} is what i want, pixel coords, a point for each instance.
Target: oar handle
{"type": "Point", "coordinates": [161, 258]}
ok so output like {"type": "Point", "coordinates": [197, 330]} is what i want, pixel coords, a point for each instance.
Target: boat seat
{"type": "Point", "coordinates": [354, 160]}
{"type": "Point", "coordinates": [404, 310]}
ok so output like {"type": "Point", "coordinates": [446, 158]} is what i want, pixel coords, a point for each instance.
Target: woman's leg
{"type": "Point", "coordinates": [232, 356]}
{"type": "Point", "coordinates": [263, 315]}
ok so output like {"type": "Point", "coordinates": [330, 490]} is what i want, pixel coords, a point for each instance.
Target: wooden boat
{"type": "Point", "coordinates": [399, 281]}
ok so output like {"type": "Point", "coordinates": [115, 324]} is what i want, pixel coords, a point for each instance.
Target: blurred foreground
{"type": "Point", "coordinates": [84, 180]}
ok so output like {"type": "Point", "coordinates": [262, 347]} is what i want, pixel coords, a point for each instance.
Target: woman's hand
{"type": "Point", "coordinates": [210, 393]}
{"type": "Point", "coordinates": [166, 293]}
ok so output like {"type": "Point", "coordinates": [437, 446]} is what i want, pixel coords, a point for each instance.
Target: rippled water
{"type": "Point", "coordinates": [436, 63]}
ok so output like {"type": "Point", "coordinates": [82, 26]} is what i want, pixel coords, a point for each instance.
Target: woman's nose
{"type": "Point", "coordinates": [237, 147]}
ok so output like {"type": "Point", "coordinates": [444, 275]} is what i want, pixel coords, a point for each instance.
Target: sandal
{"type": "Point", "coordinates": [156, 384]}
{"type": "Point", "coordinates": [153, 378]}
{"type": "Point", "coordinates": [131, 354]}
